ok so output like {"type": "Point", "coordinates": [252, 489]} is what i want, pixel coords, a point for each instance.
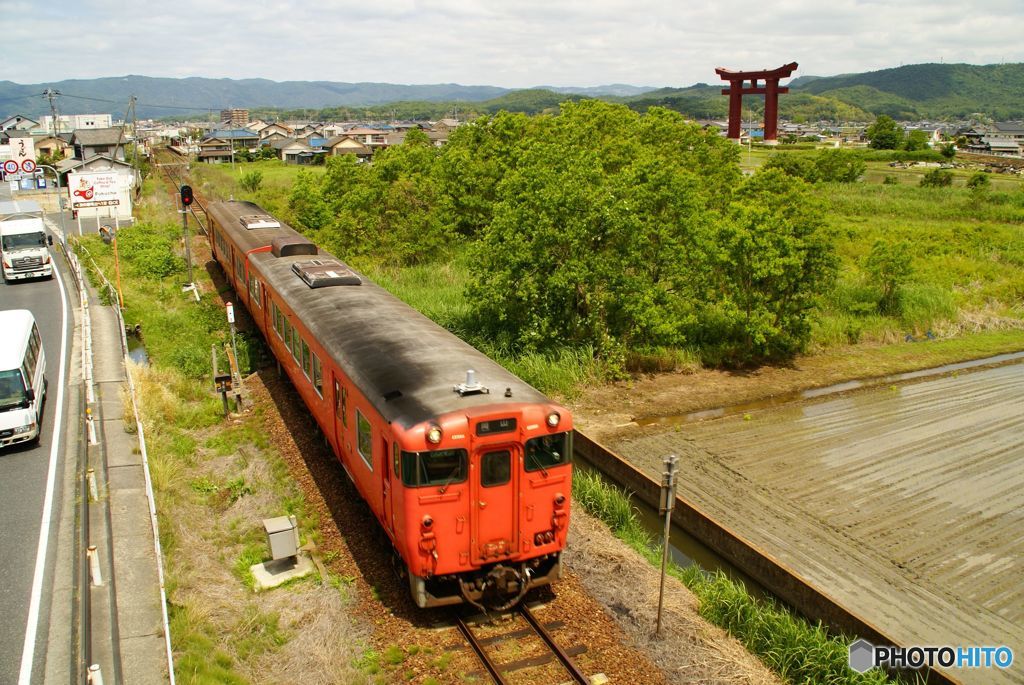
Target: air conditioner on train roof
{"type": "Point", "coordinates": [251, 221]}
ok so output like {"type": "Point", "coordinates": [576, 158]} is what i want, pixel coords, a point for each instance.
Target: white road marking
{"type": "Point", "coordinates": [28, 652]}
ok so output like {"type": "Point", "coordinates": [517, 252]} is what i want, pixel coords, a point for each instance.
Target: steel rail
{"type": "Point", "coordinates": [481, 653]}
{"type": "Point", "coordinates": [555, 648]}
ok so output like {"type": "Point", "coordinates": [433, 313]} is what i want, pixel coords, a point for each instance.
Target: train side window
{"type": "Point", "coordinates": [296, 344]}
{"type": "Point", "coordinates": [496, 468]}
{"type": "Point", "coordinates": [306, 361]}
{"type": "Point", "coordinates": [394, 458]}
{"type": "Point", "coordinates": [254, 289]}
{"type": "Point", "coordinates": [318, 376]}
{"type": "Point", "coordinates": [344, 407]}
{"type": "Point", "coordinates": [287, 333]}
{"type": "Point", "coordinates": [239, 269]}
{"type": "Point", "coordinates": [547, 451]}
{"type": "Point", "coordinates": [337, 398]}
{"type": "Point", "coordinates": [439, 467]}
{"type": "Point", "coordinates": [364, 439]}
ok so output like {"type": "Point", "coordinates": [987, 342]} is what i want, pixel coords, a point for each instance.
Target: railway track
{"type": "Point", "coordinates": [175, 169]}
{"type": "Point", "coordinates": [536, 654]}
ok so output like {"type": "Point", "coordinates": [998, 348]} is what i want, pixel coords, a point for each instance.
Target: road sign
{"type": "Point", "coordinates": [28, 166]}
{"type": "Point", "coordinates": [11, 166]}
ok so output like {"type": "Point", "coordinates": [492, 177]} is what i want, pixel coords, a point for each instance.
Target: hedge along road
{"type": "Point", "coordinates": [904, 503]}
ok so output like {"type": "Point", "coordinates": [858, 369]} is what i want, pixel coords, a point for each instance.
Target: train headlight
{"type": "Point", "coordinates": [553, 419]}
{"type": "Point", "coordinates": [434, 435]}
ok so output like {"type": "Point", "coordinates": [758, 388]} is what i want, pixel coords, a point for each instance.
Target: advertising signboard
{"type": "Point", "coordinates": [100, 189]}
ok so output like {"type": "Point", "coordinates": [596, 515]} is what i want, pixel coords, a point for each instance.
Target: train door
{"type": "Point", "coordinates": [385, 472]}
{"type": "Point", "coordinates": [495, 490]}
{"type": "Point", "coordinates": [338, 434]}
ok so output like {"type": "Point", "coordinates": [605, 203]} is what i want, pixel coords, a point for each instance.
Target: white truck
{"type": "Point", "coordinates": [23, 241]}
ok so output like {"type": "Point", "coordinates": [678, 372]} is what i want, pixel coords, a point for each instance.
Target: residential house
{"type": "Point", "coordinates": [372, 138]}
{"type": "Point", "coordinates": [220, 146]}
{"type": "Point", "coordinates": [215, 150]}
{"type": "Point", "coordinates": [89, 142]}
{"type": "Point", "coordinates": [348, 145]}
{"type": "Point", "coordinates": [18, 123]}
{"type": "Point", "coordinates": [280, 130]}
{"type": "Point", "coordinates": [1005, 138]}
{"type": "Point", "coordinates": [293, 151]}
{"type": "Point", "coordinates": [51, 145]}
{"type": "Point", "coordinates": [437, 138]}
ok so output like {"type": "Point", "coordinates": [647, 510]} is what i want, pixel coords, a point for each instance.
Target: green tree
{"type": "Point", "coordinates": [889, 266]}
{"type": "Point", "coordinates": [979, 181]}
{"type": "Point", "coordinates": [251, 180]}
{"type": "Point", "coordinates": [916, 140]}
{"type": "Point", "coordinates": [885, 134]}
{"type": "Point", "coordinates": [771, 257]}
{"type": "Point", "coordinates": [937, 178]}
{"type": "Point", "coordinates": [948, 150]}
{"type": "Point", "coordinates": [594, 234]}
{"type": "Point", "coordinates": [794, 164]}
{"type": "Point", "coordinates": [839, 166]}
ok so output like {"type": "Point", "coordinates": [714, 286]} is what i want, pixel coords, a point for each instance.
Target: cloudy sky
{"type": "Point", "coordinates": [509, 43]}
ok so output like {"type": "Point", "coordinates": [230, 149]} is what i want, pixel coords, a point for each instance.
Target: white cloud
{"type": "Point", "coordinates": [514, 44]}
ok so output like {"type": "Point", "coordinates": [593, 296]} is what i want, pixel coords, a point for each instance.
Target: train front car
{"type": "Point", "coordinates": [485, 496]}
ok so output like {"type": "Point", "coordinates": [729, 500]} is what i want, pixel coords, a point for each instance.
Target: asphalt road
{"type": "Point", "coordinates": [30, 487]}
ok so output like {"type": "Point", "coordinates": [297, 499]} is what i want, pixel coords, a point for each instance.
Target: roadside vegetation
{"type": "Point", "coordinates": [215, 478]}
{"type": "Point", "coordinates": [799, 651]}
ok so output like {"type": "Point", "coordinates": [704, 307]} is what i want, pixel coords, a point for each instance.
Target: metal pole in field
{"type": "Point", "coordinates": [668, 500]}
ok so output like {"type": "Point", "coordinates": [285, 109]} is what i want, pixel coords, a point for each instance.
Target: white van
{"type": "Point", "coordinates": [22, 380]}
{"type": "Point", "coordinates": [23, 241]}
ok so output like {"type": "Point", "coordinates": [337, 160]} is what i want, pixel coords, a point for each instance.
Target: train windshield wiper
{"type": "Point", "coordinates": [532, 454]}
{"type": "Point", "coordinates": [450, 479]}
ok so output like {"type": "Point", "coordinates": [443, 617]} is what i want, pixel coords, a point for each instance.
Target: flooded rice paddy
{"type": "Point", "coordinates": [905, 502]}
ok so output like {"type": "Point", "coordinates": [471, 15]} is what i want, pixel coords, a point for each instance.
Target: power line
{"type": "Point", "coordinates": [140, 102]}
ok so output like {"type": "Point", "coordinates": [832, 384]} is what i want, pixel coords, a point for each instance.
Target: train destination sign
{"type": "Point", "coordinates": [495, 426]}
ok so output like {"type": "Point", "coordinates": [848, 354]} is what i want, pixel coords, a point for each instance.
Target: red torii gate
{"type": "Point", "coordinates": [770, 90]}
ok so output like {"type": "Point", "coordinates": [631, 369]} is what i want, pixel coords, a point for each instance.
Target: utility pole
{"type": "Point", "coordinates": [50, 94]}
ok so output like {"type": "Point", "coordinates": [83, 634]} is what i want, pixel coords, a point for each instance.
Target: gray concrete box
{"type": "Point", "coordinates": [282, 536]}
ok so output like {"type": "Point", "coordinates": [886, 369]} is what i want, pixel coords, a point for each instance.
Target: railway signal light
{"type": "Point", "coordinates": [186, 196]}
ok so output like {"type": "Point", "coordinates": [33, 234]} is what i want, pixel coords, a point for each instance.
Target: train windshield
{"type": "Point", "coordinates": [547, 451]}
{"type": "Point", "coordinates": [438, 467]}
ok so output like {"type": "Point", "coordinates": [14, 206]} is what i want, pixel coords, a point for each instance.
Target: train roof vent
{"type": "Point", "coordinates": [471, 386]}
{"type": "Point", "coordinates": [319, 273]}
{"type": "Point", "coordinates": [251, 221]}
{"type": "Point", "coordinates": [292, 246]}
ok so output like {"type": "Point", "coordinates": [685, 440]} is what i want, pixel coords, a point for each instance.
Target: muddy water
{"type": "Point", "coordinates": [905, 501]}
{"type": "Point", "coordinates": [684, 549]}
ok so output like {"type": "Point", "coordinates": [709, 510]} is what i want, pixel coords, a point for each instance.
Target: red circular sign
{"type": "Point", "coordinates": [11, 167]}
{"type": "Point", "coordinates": [28, 166]}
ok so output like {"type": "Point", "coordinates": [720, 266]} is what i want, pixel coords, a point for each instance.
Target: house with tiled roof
{"type": "Point", "coordinates": [89, 142]}
{"type": "Point", "coordinates": [347, 145]}
{"type": "Point", "coordinates": [19, 123]}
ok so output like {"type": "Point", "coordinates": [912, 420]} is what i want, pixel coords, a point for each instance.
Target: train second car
{"type": "Point", "coordinates": [466, 467]}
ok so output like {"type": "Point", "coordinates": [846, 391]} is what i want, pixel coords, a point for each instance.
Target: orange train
{"type": "Point", "coordinates": [467, 468]}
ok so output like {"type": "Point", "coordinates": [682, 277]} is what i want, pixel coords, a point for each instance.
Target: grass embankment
{"type": "Point", "coordinates": [797, 650]}
{"type": "Point", "coordinates": [224, 181]}
{"type": "Point", "coordinates": [215, 479]}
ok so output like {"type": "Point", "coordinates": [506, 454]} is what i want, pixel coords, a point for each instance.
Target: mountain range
{"type": "Point", "coordinates": [917, 91]}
